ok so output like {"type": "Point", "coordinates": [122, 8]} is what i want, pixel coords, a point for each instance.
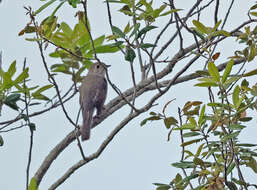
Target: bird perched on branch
{"type": "Point", "coordinates": [92, 95]}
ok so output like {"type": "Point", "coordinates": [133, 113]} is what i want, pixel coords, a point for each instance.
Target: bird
{"type": "Point", "coordinates": [93, 91]}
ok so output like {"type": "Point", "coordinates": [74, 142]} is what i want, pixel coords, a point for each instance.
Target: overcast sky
{"type": "Point", "coordinates": [137, 157]}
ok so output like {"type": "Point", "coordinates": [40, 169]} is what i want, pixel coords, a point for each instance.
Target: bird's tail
{"type": "Point", "coordinates": [87, 124]}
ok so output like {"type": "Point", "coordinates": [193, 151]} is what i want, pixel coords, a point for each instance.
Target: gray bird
{"type": "Point", "coordinates": [92, 95]}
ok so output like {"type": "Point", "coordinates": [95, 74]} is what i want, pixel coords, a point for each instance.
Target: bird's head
{"type": "Point", "coordinates": [98, 68]}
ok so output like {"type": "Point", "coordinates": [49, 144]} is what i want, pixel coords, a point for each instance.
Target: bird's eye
{"type": "Point", "coordinates": [97, 66]}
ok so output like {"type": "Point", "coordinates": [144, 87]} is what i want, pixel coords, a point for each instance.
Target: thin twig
{"type": "Point", "coordinates": [77, 136]}
{"type": "Point", "coordinates": [14, 128]}
{"type": "Point", "coordinates": [134, 84]}
{"type": "Point", "coordinates": [142, 67]}
{"type": "Point", "coordinates": [110, 22]}
{"type": "Point", "coordinates": [224, 22]}
{"type": "Point", "coordinates": [65, 49]}
{"type": "Point", "coordinates": [177, 25]}
{"type": "Point", "coordinates": [117, 90]}
{"type": "Point", "coordinates": [154, 70]}
{"type": "Point", "coordinates": [84, 3]}
{"type": "Point", "coordinates": [164, 47]}
{"type": "Point", "coordinates": [216, 11]}
{"type": "Point", "coordinates": [31, 131]}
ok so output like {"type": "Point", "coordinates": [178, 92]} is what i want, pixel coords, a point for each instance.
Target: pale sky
{"type": "Point", "coordinates": [137, 156]}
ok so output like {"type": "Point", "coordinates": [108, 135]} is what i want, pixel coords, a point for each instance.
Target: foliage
{"type": "Point", "coordinates": [220, 153]}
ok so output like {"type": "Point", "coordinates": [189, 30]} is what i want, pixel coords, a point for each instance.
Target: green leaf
{"type": "Point", "coordinates": [74, 3]}
{"type": "Point", "coordinates": [12, 105]}
{"type": "Point", "coordinates": [231, 185]}
{"type": "Point", "coordinates": [235, 95]}
{"type": "Point", "coordinates": [198, 161]}
{"type": "Point", "coordinates": [118, 32]}
{"type": "Point", "coordinates": [197, 33]}
{"type": "Point", "coordinates": [32, 126]}
{"type": "Point", "coordinates": [43, 88]}
{"type": "Point", "coordinates": [213, 71]}
{"type": "Point", "coordinates": [39, 96]}
{"type": "Point", "coordinates": [156, 12]}
{"type": "Point", "coordinates": [236, 127]}
{"type": "Point", "coordinates": [108, 48]}
{"type": "Point", "coordinates": [200, 27]}
{"type": "Point", "coordinates": [57, 8]}
{"type": "Point", "coordinates": [61, 68]}
{"type": "Point", "coordinates": [7, 82]}
{"type": "Point", "coordinates": [152, 118]}
{"type": "Point", "coordinates": [99, 41]}
{"type": "Point", "coordinates": [216, 26]}
{"type": "Point", "coordinates": [55, 54]}
{"type": "Point", "coordinates": [44, 7]}
{"type": "Point", "coordinates": [30, 29]}
{"type": "Point", "coordinates": [146, 45]}
{"type": "Point", "coordinates": [245, 119]}
{"type": "Point", "coordinates": [25, 117]}
{"type": "Point", "coordinates": [230, 168]}
{"type": "Point", "coordinates": [201, 117]}
{"type": "Point", "coordinates": [221, 33]}
{"type": "Point", "coordinates": [1, 141]}
{"type": "Point", "coordinates": [12, 69]}
{"type": "Point", "coordinates": [253, 13]}
{"type": "Point", "coordinates": [244, 83]}
{"type": "Point", "coordinates": [191, 142]}
{"type": "Point", "coordinates": [183, 164]}
{"type": "Point", "coordinates": [250, 73]}
{"type": "Point", "coordinates": [190, 134]}
{"type": "Point", "coordinates": [216, 104]}
{"type": "Point", "coordinates": [170, 121]}
{"type": "Point", "coordinates": [136, 28]}
{"type": "Point", "coordinates": [227, 70]}
{"type": "Point", "coordinates": [230, 136]}
{"type": "Point", "coordinates": [199, 150]}
{"type": "Point", "coordinates": [206, 84]}
{"type": "Point", "coordinates": [189, 154]}
{"type": "Point", "coordinates": [12, 98]}
{"type": "Point", "coordinates": [207, 81]}
{"type": "Point", "coordinates": [239, 182]}
{"type": "Point", "coordinates": [22, 76]}
{"type": "Point", "coordinates": [164, 187]}
{"type": "Point", "coordinates": [245, 144]}
{"type": "Point", "coordinates": [253, 7]}
{"type": "Point", "coordinates": [145, 30]}
{"type": "Point", "coordinates": [188, 178]}
{"type": "Point", "coordinates": [143, 122]}
{"type": "Point", "coordinates": [192, 121]}
{"type": "Point", "coordinates": [252, 164]}
{"type": "Point", "coordinates": [127, 28]}
{"type": "Point", "coordinates": [152, 113]}
{"type": "Point", "coordinates": [185, 127]}
{"type": "Point", "coordinates": [252, 53]}
{"type": "Point", "coordinates": [230, 81]}
{"type": "Point", "coordinates": [33, 39]}
{"type": "Point", "coordinates": [130, 54]}
{"type": "Point", "coordinates": [33, 184]}
{"type": "Point", "coordinates": [66, 29]}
